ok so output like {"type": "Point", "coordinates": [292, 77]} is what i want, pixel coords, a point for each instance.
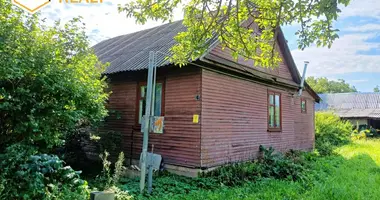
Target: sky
{"type": "Point", "coordinates": [354, 57]}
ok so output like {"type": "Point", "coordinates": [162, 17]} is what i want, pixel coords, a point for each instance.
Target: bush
{"type": "Point", "coordinates": [50, 80]}
{"type": "Point", "coordinates": [28, 175]}
{"type": "Point", "coordinates": [356, 135]}
{"type": "Point", "coordinates": [330, 132]}
{"type": "Point", "coordinates": [290, 166]}
{"type": "Point", "coordinates": [120, 194]}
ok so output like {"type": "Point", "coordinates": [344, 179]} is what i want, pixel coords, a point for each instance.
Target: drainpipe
{"type": "Point", "coordinates": [303, 78]}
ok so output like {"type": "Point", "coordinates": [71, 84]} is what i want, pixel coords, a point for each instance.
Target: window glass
{"type": "Point", "coordinates": [141, 109]}
{"type": "Point", "coordinates": [274, 110]}
{"type": "Point", "coordinates": [157, 101]}
{"type": "Point", "coordinates": [277, 111]}
{"type": "Point", "coordinates": [271, 99]}
{"type": "Point", "coordinates": [143, 91]}
{"type": "Point", "coordinates": [271, 116]}
{"type": "Point", "coordinates": [303, 105]}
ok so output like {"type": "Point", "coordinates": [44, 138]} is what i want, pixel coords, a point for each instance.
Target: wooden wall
{"type": "Point", "coordinates": [234, 120]}
{"type": "Point", "coordinates": [180, 143]}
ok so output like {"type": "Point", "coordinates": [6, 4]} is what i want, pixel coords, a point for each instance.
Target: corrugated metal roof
{"type": "Point", "coordinates": [351, 104]}
{"type": "Point", "coordinates": [359, 113]}
{"type": "Point", "coordinates": [131, 52]}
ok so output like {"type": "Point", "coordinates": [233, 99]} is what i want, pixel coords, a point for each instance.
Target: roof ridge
{"type": "Point", "coordinates": [148, 29]}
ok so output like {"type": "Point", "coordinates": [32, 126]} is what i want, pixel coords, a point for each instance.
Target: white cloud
{"type": "Point", "coordinates": [102, 20]}
{"type": "Point", "coordinates": [361, 8]}
{"type": "Point", "coordinates": [364, 28]}
{"type": "Point", "coordinates": [341, 58]}
{"type": "Point", "coordinates": [359, 81]}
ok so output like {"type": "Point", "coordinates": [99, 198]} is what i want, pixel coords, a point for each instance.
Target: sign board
{"type": "Point", "coordinates": [152, 159]}
{"type": "Point", "coordinates": [195, 119]}
{"type": "Point", "coordinates": [156, 124]}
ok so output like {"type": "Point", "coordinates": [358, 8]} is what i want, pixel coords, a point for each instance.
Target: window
{"type": "Point", "coordinates": [158, 101]}
{"type": "Point", "coordinates": [274, 111]}
{"type": "Point", "coordinates": [303, 105]}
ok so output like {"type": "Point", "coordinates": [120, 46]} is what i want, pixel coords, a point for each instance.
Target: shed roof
{"type": "Point", "coordinates": [351, 105]}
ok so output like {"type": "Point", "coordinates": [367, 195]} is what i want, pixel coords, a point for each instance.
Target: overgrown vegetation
{"type": "Point", "coordinates": [293, 166]}
{"type": "Point", "coordinates": [271, 165]}
{"type": "Point", "coordinates": [355, 165]}
{"type": "Point", "coordinates": [50, 87]}
{"type": "Point", "coordinates": [293, 175]}
{"type": "Point", "coordinates": [25, 174]}
{"type": "Point", "coordinates": [330, 132]}
{"type": "Point", "coordinates": [106, 181]}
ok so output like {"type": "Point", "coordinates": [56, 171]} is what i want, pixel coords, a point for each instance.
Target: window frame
{"type": "Point", "coordinates": [274, 93]}
{"type": "Point", "coordinates": [303, 100]}
{"type": "Point", "coordinates": [138, 98]}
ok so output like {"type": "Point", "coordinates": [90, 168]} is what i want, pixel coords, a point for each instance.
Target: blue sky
{"type": "Point", "coordinates": [354, 57]}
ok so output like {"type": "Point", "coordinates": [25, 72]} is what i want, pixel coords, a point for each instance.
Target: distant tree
{"type": "Point", "coordinates": [323, 85]}
{"type": "Point", "coordinates": [376, 89]}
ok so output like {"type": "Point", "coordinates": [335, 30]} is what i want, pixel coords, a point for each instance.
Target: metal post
{"type": "Point", "coordinates": [146, 121]}
{"type": "Point", "coordinates": [154, 84]}
{"type": "Point", "coordinates": [303, 78]}
{"type": "Point", "coordinates": [150, 173]}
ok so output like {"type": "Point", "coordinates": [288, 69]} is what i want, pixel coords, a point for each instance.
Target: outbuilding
{"type": "Point", "coordinates": [361, 109]}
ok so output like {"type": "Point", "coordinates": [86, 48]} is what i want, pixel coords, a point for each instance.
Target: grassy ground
{"type": "Point", "coordinates": [352, 174]}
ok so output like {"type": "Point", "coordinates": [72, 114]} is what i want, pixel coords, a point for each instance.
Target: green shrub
{"type": "Point", "coordinates": [356, 135]}
{"type": "Point", "coordinates": [271, 165]}
{"type": "Point", "coordinates": [120, 194]}
{"type": "Point", "coordinates": [28, 175]}
{"type": "Point", "coordinates": [330, 132]}
{"type": "Point", "coordinates": [50, 80]}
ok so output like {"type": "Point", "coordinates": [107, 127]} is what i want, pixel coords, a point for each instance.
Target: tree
{"type": "Point", "coordinates": [376, 89]}
{"type": "Point", "coordinates": [323, 85]}
{"type": "Point", "coordinates": [227, 21]}
{"type": "Point", "coordinates": [50, 80]}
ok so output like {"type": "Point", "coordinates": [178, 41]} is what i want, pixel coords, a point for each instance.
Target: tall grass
{"type": "Point", "coordinates": [353, 173]}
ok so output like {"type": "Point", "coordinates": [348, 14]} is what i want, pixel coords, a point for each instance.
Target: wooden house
{"type": "Point", "coordinates": [240, 107]}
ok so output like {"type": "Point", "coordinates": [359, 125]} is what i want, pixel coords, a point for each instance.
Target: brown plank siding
{"type": "Point", "coordinates": [281, 71]}
{"type": "Point", "coordinates": [234, 120]}
{"type": "Point", "coordinates": [180, 143]}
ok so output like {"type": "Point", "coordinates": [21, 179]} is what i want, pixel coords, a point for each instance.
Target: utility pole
{"type": "Point", "coordinates": [148, 106]}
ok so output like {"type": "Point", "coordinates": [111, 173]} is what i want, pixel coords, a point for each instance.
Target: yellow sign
{"type": "Point", "coordinates": [195, 119]}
